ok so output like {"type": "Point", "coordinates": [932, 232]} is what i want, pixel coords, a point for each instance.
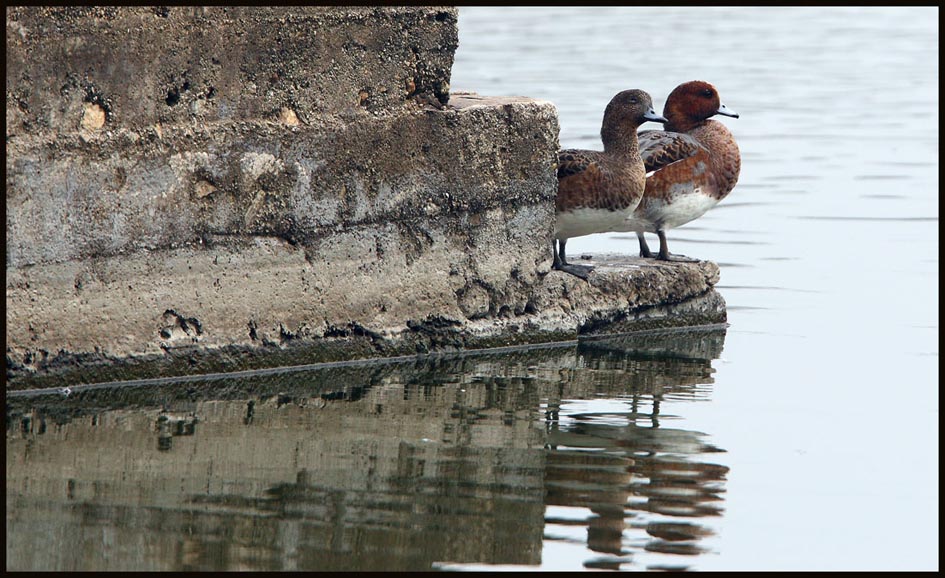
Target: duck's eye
{"type": "Point", "coordinates": [633, 101]}
{"type": "Point", "coordinates": [707, 92]}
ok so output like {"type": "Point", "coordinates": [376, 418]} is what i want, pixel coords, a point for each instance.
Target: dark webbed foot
{"type": "Point", "coordinates": [561, 262]}
{"type": "Point", "coordinates": [665, 255]}
{"type": "Point", "coordinates": [672, 257]}
{"type": "Point", "coordinates": [577, 270]}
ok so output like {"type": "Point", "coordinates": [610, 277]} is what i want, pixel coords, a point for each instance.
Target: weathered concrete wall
{"type": "Point", "coordinates": [142, 66]}
{"type": "Point", "coordinates": [124, 191]}
{"type": "Point", "coordinates": [282, 216]}
{"type": "Point", "coordinates": [110, 165]}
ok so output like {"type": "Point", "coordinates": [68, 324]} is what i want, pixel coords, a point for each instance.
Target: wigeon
{"type": "Point", "coordinates": [690, 166]}
{"type": "Point", "coordinates": [598, 190]}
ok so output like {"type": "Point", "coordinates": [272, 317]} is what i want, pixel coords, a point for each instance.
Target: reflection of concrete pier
{"type": "Point", "coordinates": [451, 460]}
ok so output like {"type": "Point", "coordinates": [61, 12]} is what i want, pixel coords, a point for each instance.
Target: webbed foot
{"type": "Point", "coordinates": [581, 271]}
{"type": "Point", "coordinates": [674, 258]}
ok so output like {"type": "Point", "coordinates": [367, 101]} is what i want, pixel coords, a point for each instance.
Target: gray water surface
{"type": "Point", "coordinates": [802, 437]}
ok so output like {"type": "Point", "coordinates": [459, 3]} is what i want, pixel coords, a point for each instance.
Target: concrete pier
{"type": "Point", "coordinates": [197, 189]}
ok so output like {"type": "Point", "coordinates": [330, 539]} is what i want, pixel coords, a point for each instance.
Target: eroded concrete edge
{"type": "Point", "coordinates": [625, 295]}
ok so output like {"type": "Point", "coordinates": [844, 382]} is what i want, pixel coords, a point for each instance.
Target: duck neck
{"type": "Point", "coordinates": [679, 118]}
{"type": "Point", "coordinates": [682, 124]}
{"type": "Point", "coordinates": [619, 139]}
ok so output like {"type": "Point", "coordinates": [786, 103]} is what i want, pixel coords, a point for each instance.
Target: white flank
{"type": "Point", "coordinates": [580, 222]}
{"type": "Point", "coordinates": [683, 209]}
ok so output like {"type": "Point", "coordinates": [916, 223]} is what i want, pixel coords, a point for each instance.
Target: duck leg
{"type": "Point", "coordinates": [561, 263]}
{"type": "Point", "coordinates": [665, 255]}
{"type": "Point", "coordinates": [644, 248]}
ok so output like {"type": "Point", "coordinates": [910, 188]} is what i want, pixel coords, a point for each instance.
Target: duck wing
{"type": "Point", "coordinates": [573, 162]}
{"type": "Point", "coordinates": [581, 180]}
{"type": "Point", "coordinates": [676, 164]}
{"type": "Point", "coordinates": [660, 148]}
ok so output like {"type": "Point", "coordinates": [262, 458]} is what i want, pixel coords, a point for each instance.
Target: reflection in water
{"type": "Point", "coordinates": [494, 459]}
{"type": "Point", "coordinates": [644, 485]}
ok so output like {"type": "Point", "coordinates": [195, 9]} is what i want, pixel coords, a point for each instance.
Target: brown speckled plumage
{"type": "Point", "coordinates": [595, 188]}
{"type": "Point", "coordinates": [613, 178]}
{"type": "Point", "coordinates": [693, 158]}
{"type": "Point", "coordinates": [692, 149]}
{"type": "Point", "coordinates": [591, 179]}
{"type": "Point", "coordinates": [706, 157]}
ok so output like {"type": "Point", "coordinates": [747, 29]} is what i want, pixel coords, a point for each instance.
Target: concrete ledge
{"type": "Point", "coordinates": [692, 348]}
{"type": "Point", "coordinates": [254, 235]}
{"type": "Point", "coordinates": [262, 305]}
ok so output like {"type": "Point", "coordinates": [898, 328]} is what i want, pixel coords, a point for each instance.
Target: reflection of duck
{"type": "Point", "coordinates": [691, 165]}
{"type": "Point", "coordinates": [598, 190]}
{"type": "Point", "coordinates": [598, 481]}
{"type": "Point", "coordinates": [625, 473]}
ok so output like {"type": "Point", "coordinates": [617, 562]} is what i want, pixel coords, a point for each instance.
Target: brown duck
{"type": "Point", "coordinates": [598, 190]}
{"type": "Point", "coordinates": [691, 165]}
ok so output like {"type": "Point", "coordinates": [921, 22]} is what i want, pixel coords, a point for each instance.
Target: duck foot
{"type": "Point", "coordinates": [664, 254]}
{"type": "Point", "coordinates": [577, 270]}
{"type": "Point", "coordinates": [672, 257]}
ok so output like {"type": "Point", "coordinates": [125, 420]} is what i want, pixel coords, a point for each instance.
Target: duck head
{"type": "Point", "coordinates": [691, 103]}
{"type": "Point", "coordinates": [626, 111]}
{"type": "Point", "coordinates": [632, 106]}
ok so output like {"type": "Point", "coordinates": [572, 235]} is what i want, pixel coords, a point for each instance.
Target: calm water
{"type": "Point", "coordinates": [805, 436]}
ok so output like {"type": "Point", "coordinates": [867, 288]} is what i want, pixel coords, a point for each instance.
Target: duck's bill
{"type": "Point", "coordinates": [724, 111]}
{"type": "Point", "coordinates": [651, 115]}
